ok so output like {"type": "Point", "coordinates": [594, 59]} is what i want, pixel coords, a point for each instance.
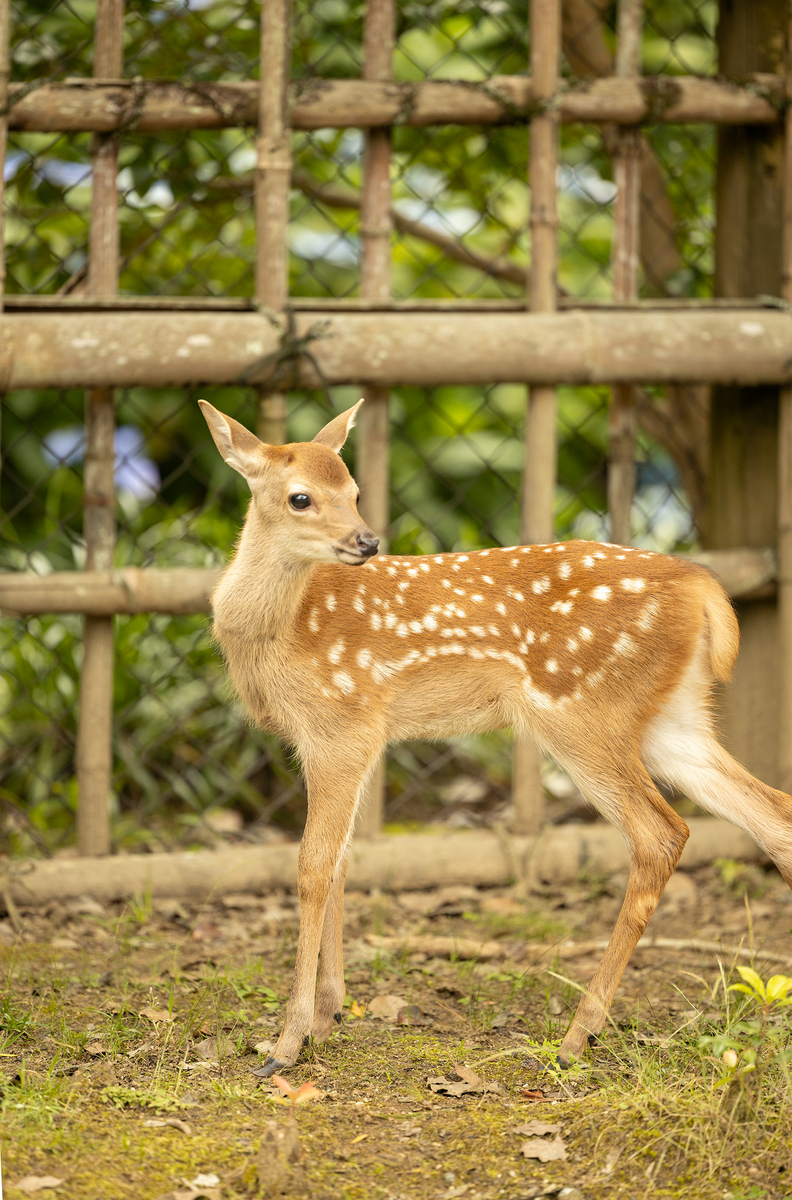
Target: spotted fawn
{"type": "Point", "coordinates": [604, 654]}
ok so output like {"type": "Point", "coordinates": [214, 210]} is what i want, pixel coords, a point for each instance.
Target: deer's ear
{"type": "Point", "coordinates": [336, 432]}
{"type": "Point", "coordinates": [240, 448]}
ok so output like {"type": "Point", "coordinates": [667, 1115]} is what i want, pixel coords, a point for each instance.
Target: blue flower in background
{"type": "Point", "coordinates": [135, 473]}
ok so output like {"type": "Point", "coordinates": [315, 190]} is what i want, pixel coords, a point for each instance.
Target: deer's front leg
{"type": "Point", "coordinates": [330, 989]}
{"type": "Point", "coordinates": [320, 872]}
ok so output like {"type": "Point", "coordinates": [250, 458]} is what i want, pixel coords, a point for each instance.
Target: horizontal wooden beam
{"type": "Point", "coordinates": [177, 592]}
{"type": "Point", "coordinates": [153, 106]}
{"type": "Point", "coordinates": [397, 863]}
{"type": "Point", "coordinates": [425, 349]}
{"type": "Point", "coordinates": [745, 573]}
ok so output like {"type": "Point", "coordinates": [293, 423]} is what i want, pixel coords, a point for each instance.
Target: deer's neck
{"type": "Point", "coordinates": [259, 594]}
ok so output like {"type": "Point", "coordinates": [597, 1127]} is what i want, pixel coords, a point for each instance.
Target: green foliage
{"type": "Point", "coordinates": [187, 228]}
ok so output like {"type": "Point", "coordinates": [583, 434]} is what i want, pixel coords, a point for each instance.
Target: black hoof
{"type": "Point", "coordinates": [338, 1017]}
{"type": "Point", "coordinates": [593, 1038]}
{"type": "Point", "coordinates": [271, 1067]}
{"type": "Point", "coordinates": [307, 1040]}
{"type": "Point", "coordinates": [563, 1064]}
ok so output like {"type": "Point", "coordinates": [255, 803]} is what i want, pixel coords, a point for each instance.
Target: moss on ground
{"type": "Point", "coordinates": [108, 1017]}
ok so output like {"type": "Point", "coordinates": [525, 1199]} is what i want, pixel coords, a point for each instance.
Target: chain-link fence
{"type": "Point", "coordinates": [182, 749]}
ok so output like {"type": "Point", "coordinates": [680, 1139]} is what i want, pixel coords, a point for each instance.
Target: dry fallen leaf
{"type": "Point", "coordinates": [173, 1122]}
{"type": "Point", "coordinates": [94, 1048]}
{"type": "Point", "coordinates": [543, 1150]}
{"type": "Point", "coordinates": [536, 1129]}
{"type": "Point", "coordinates": [357, 1010]}
{"type": "Point", "coordinates": [155, 1014]}
{"type": "Point", "coordinates": [611, 1160]}
{"type": "Point", "coordinates": [36, 1183]}
{"type": "Point", "coordinates": [411, 1014]}
{"type": "Point", "coordinates": [300, 1095]}
{"type": "Point", "coordinates": [531, 1094]}
{"type": "Point", "coordinates": [460, 1081]}
{"type": "Point", "coordinates": [386, 1008]}
{"type": "Point", "coordinates": [212, 1049]}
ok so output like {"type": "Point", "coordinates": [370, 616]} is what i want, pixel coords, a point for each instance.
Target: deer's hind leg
{"type": "Point", "coordinates": [656, 837]}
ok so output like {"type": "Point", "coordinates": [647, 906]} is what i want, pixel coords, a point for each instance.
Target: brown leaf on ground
{"type": "Point", "coordinates": [94, 1048]}
{"type": "Point", "coordinates": [212, 1049]}
{"type": "Point", "coordinates": [36, 1183]}
{"type": "Point", "coordinates": [173, 1122]}
{"type": "Point", "coordinates": [543, 1150]}
{"type": "Point", "coordinates": [411, 1014]}
{"type": "Point", "coordinates": [536, 1129]}
{"type": "Point", "coordinates": [460, 1081]}
{"type": "Point", "coordinates": [386, 1008]}
{"type": "Point", "coordinates": [531, 1094]}
{"type": "Point", "coordinates": [155, 1014]}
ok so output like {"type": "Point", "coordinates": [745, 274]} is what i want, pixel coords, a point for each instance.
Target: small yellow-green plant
{"type": "Point", "coordinates": [749, 1046]}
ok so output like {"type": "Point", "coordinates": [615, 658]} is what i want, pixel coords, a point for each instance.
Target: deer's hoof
{"type": "Point", "coordinates": [271, 1067]}
{"type": "Point", "coordinates": [563, 1063]}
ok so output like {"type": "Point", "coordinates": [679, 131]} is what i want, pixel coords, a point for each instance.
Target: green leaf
{"type": "Point", "coordinates": [777, 988]}
{"type": "Point", "coordinates": [750, 976]}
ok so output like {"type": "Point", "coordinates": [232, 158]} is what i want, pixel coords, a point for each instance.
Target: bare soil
{"type": "Point", "coordinates": [117, 1021]}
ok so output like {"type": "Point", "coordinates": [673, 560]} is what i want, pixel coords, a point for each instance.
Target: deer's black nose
{"type": "Point", "coordinates": [367, 543]}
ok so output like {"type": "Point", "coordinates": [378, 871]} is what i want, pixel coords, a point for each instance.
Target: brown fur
{"type": "Point", "coordinates": [605, 654]}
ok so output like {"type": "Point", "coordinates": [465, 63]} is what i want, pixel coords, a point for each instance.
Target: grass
{"type": "Point", "coordinates": [101, 1045]}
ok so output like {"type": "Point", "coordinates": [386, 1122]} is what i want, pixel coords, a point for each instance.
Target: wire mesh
{"type": "Point", "coordinates": [182, 749]}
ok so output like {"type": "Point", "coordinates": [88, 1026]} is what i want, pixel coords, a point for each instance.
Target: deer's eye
{"type": "Point", "coordinates": [300, 500]}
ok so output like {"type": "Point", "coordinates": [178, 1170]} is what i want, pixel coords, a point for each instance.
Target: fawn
{"type": "Point", "coordinates": [604, 654]}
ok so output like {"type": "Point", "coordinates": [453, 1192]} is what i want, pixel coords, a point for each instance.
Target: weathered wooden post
{"type": "Point", "coordinates": [743, 501]}
{"type": "Point", "coordinates": [273, 177]}
{"type": "Point", "coordinates": [539, 475]}
{"type": "Point", "coordinates": [95, 725]}
{"type": "Point", "coordinates": [626, 259]}
{"type": "Point", "coordinates": [373, 438]}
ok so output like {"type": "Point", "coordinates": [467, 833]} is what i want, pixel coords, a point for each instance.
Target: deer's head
{"type": "Point", "coordinates": [302, 492]}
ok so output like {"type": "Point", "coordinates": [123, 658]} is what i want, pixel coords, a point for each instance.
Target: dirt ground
{"type": "Point", "coordinates": [130, 1034]}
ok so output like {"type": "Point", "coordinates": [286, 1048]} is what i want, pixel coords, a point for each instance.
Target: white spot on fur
{"type": "Point", "coordinates": [601, 593]}
{"type": "Point", "coordinates": [376, 621]}
{"type": "Point", "coordinates": [364, 658]}
{"type": "Point", "coordinates": [585, 634]}
{"type": "Point", "coordinates": [336, 651]}
{"type": "Point", "coordinates": [530, 637]}
{"type": "Point", "coordinates": [413, 571]}
{"type": "Point", "coordinates": [565, 570]}
{"type": "Point", "coordinates": [572, 645]}
{"type": "Point", "coordinates": [519, 596]}
{"type": "Point", "coordinates": [552, 666]}
{"type": "Point", "coordinates": [425, 566]}
{"type": "Point", "coordinates": [430, 622]}
{"type": "Point", "coordinates": [313, 620]}
{"type": "Point", "coordinates": [624, 645]}
{"type": "Point", "coordinates": [500, 608]}
{"type": "Point", "coordinates": [562, 606]}
{"type": "Point", "coordinates": [633, 585]}
{"type": "Point", "coordinates": [358, 605]}
{"type": "Point", "coordinates": [541, 585]}
{"type": "Point", "coordinates": [391, 620]}
{"type": "Point", "coordinates": [416, 626]}
{"type": "Point", "coordinates": [487, 579]}
{"type": "Point", "coordinates": [344, 682]}
{"type": "Point", "coordinates": [648, 613]}
{"type": "Point", "coordinates": [331, 602]}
